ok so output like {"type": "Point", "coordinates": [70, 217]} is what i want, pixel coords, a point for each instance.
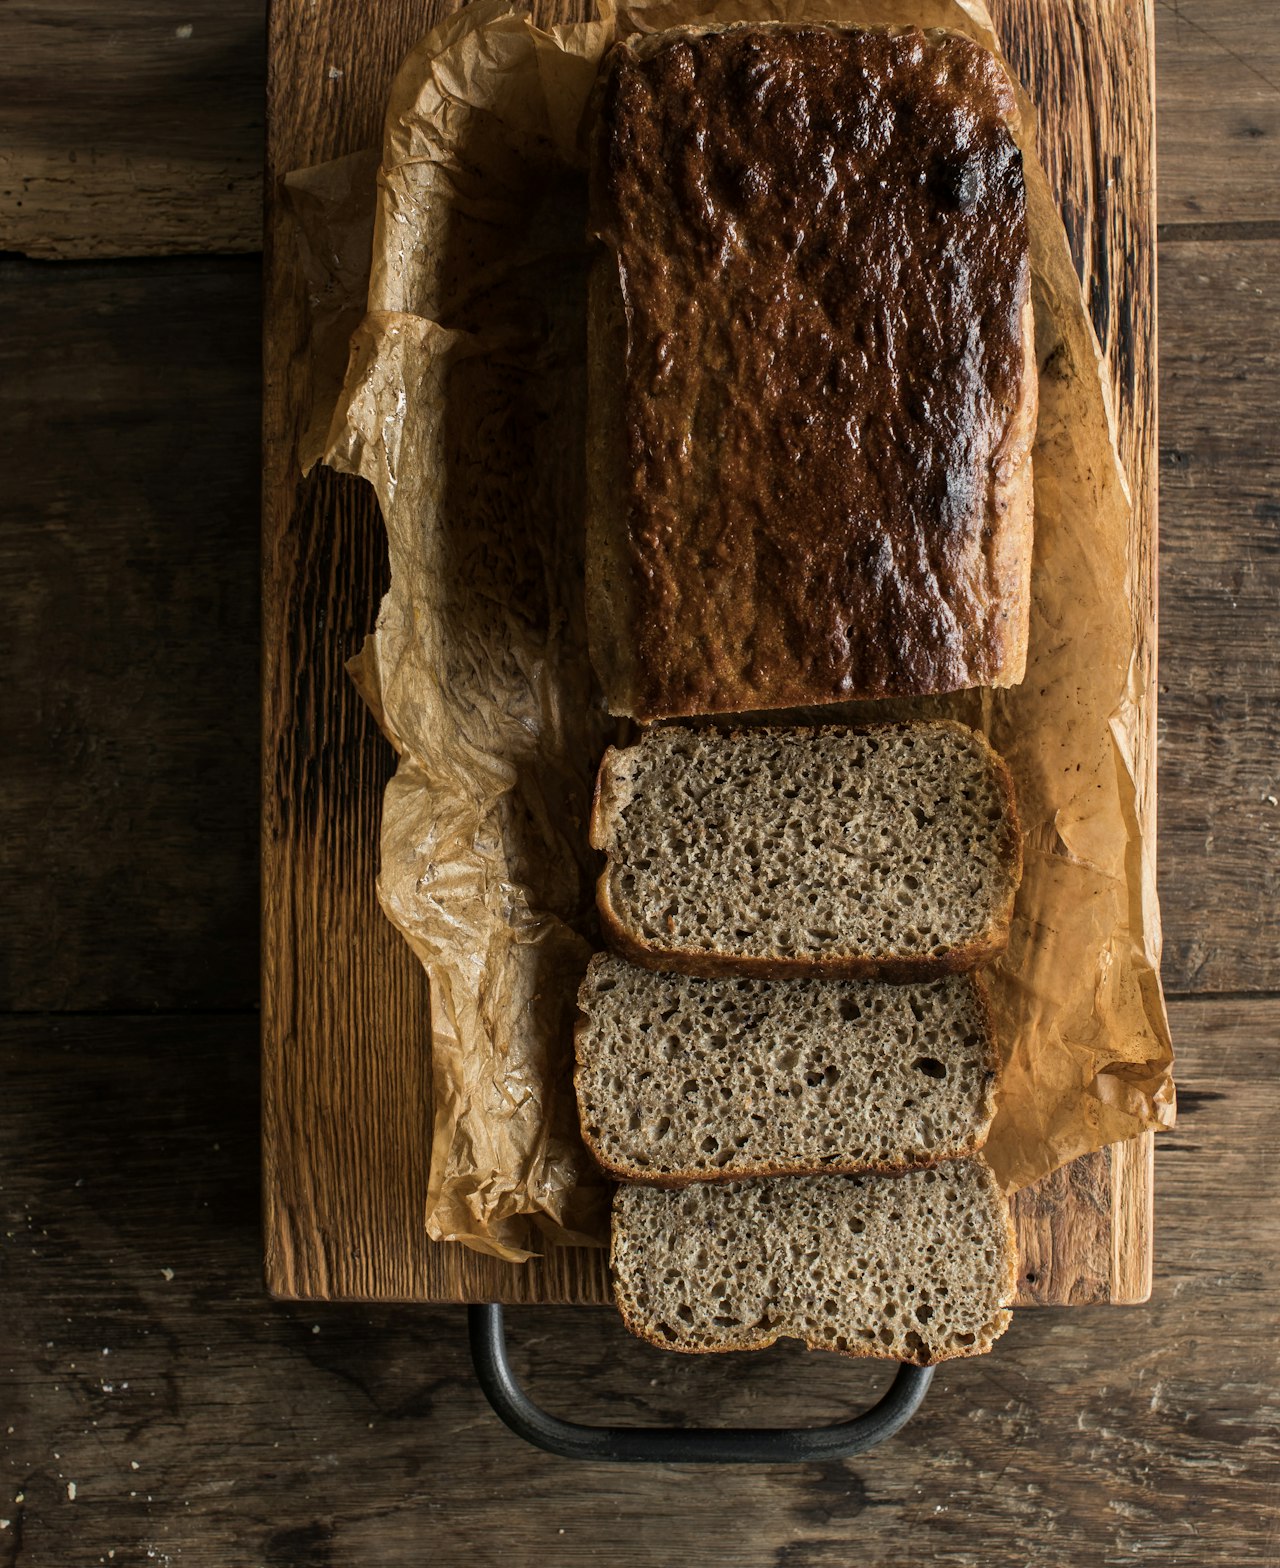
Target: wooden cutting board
{"type": "Point", "coordinates": [346, 1070]}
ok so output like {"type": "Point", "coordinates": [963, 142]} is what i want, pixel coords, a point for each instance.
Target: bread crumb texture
{"type": "Point", "coordinates": [893, 841]}
{"type": "Point", "coordinates": [693, 1078]}
{"type": "Point", "coordinates": [916, 1268]}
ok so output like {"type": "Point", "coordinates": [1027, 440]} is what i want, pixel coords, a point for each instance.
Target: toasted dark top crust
{"type": "Point", "coordinates": [820, 245]}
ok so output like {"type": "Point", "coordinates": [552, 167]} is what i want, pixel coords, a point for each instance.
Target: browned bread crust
{"type": "Point", "coordinates": [895, 967]}
{"type": "Point", "coordinates": [811, 370]}
{"type": "Point", "coordinates": [679, 1179]}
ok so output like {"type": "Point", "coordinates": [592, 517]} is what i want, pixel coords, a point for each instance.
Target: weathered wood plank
{"type": "Point", "coordinates": [129, 549]}
{"type": "Point", "coordinates": [1220, 596]}
{"type": "Point", "coordinates": [326, 1435]}
{"type": "Point", "coordinates": [1218, 78]}
{"type": "Point", "coordinates": [131, 129]}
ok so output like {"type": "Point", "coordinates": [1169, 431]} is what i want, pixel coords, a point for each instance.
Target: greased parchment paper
{"type": "Point", "coordinates": [464, 406]}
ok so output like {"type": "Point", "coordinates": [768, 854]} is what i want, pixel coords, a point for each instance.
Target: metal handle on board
{"type": "Point", "coordinates": [676, 1444]}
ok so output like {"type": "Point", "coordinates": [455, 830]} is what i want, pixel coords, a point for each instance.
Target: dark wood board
{"type": "Point", "coordinates": [1220, 617]}
{"type": "Point", "coordinates": [1218, 75]}
{"type": "Point", "coordinates": [346, 1070]}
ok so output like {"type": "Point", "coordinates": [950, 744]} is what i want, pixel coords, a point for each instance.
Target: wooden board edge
{"type": "Point", "coordinates": [1133, 1162]}
{"type": "Point", "coordinates": [1132, 1220]}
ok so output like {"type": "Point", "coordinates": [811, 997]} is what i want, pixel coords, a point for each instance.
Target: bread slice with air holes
{"type": "Point", "coordinates": [889, 851]}
{"type": "Point", "coordinates": [685, 1079]}
{"type": "Point", "coordinates": [918, 1268]}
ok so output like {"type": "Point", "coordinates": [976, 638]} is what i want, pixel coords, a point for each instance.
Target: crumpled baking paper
{"type": "Point", "coordinates": [463, 404]}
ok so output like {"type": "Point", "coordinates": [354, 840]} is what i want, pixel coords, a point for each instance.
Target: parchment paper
{"type": "Point", "coordinates": [463, 405]}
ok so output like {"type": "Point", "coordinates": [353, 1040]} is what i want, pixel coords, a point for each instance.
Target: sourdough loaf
{"type": "Point", "coordinates": [812, 382]}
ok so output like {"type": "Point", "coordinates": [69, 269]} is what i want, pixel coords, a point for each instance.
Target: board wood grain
{"type": "Point", "coordinates": [346, 1074]}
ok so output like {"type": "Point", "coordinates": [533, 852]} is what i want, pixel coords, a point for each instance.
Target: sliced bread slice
{"type": "Point", "coordinates": [686, 1079]}
{"type": "Point", "coordinates": [891, 851]}
{"type": "Point", "coordinates": [917, 1268]}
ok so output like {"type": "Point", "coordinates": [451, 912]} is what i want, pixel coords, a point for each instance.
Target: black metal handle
{"type": "Point", "coordinates": [677, 1444]}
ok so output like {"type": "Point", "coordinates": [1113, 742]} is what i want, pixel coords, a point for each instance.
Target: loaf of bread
{"type": "Point", "coordinates": [812, 381]}
{"type": "Point", "coordinates": [917, 1268]}
{"type": "Point", "coordinates": [887, 852]}
{"type": "Point", "coordinates": [682, 1079]}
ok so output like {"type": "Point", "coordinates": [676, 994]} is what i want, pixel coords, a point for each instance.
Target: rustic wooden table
{"type": "Point", "coordinates": [154, 1406]}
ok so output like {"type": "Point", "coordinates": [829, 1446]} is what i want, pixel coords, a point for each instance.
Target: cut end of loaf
{"type": "Point", "coordinates": [682, 1079]}
{"type": "Point", "coordinates": [917, 1268]}
{"type": "Point", "coordinates": [890, 850]}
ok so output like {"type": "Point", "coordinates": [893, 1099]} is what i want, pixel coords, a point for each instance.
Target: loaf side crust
{"type": "Point", "coordinates": [679, 1179]}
